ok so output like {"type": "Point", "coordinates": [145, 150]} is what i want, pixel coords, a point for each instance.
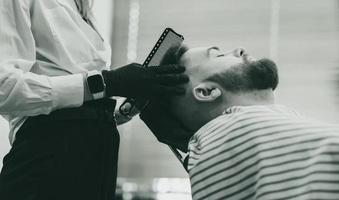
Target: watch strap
{"type": "Point", "coordinates": [98, 95]}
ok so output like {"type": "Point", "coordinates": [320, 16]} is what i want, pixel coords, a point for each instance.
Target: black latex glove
{"type": "Point", "coordinates": [166, 128]}
{"type": "Point", "coordinates": [135, 81]}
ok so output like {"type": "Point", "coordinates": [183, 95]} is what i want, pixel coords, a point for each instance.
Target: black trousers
{"type": "Point", "coordinates": [70, 154]}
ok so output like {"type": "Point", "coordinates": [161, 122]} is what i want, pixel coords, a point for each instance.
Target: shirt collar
{"type": "Point", "coordinates": [209, 126]}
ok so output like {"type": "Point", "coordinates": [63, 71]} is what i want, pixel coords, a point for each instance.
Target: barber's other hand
{"type": "Point", "coordinates": [136, 81]}
{"type": "Point", "coordinates": [166, 128]}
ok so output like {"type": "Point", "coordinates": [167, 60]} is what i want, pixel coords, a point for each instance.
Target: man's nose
{"type": "Point", "coordinates": [239, 52]}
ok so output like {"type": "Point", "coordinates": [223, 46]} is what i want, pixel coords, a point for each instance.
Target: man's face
{"type": "Point", "coordinates": [200, 64]}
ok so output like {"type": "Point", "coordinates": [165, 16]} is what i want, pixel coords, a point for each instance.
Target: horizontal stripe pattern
{"type": "Point", "coordinates": [264, 152]}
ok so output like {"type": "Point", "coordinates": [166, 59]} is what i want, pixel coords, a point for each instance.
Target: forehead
{"type": "Point", "coordinates": [201, 62]}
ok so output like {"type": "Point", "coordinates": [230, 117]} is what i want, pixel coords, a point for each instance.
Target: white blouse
{"type": "Point", "coordinates": [45, 46]}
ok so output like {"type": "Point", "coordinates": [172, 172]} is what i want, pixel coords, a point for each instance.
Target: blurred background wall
{"type": "Point", "coordinates": [302, 36]}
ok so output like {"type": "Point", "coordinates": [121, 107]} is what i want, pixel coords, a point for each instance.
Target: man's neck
{"type": "Point", "coordinates": [256, 97]}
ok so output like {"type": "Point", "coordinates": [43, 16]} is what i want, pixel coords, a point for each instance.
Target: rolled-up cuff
{"type": "Point", "coordinates": [67, 91]}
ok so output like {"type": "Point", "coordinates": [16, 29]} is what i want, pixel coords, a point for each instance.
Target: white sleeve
{"type": "Point", "coordinates": [23, 93]}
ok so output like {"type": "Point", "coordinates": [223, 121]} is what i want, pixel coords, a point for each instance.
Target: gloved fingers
{"type": "Point", "coordinates": [171, 79]}
{"type": "Point", "coordinates": [166, 69]}
{"type": "Point", "coordinates": [163, 104]}
{"type": "Point", "coordinates": [134, 65]}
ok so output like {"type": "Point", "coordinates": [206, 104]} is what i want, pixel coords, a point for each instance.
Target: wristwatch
{"type": "Point", "coordinates": [96, 84]}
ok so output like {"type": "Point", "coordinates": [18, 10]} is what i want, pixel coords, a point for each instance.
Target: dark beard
{"type": "Point", "coordinates": [261, 74]}
{"type": "Point", "coordinates": [254, 75]}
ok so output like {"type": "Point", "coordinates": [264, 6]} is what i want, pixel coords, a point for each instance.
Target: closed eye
{"type": "Point", "coordinates": [210, 49]}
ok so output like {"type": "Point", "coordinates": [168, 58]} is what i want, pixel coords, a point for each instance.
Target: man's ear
{"type": "Point", "coordinates": [207, 92]}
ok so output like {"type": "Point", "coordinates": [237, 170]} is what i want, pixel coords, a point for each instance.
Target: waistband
{"type": "Point", "coordinates": [102, 109]}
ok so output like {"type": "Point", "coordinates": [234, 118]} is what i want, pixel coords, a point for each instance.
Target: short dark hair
{"type": "Point", "coordinates": [254, 75]}
{"type": "Point", "coordinates": [173, 54]}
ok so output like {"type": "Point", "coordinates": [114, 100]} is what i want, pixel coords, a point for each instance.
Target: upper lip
{"type": "Point", "coordinates": [248, 58]}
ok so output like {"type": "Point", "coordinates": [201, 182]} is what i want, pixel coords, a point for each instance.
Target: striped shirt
{"type": "Point", "coordinates": [264, 152]}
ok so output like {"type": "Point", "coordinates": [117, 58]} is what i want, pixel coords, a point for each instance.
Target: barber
{"type": "Point", "coordinates": [55, 89]}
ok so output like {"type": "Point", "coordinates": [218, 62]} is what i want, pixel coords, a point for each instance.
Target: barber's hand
{"type": "Point", "coordinates": [136, 81]}
{"type": "Point", "coordinates": [166, 128]}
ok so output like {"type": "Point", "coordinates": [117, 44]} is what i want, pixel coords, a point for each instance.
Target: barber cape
{"type": "Point", "coordinates": [264, 152]}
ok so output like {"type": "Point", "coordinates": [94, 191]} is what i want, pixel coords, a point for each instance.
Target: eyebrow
{"type": "Point", "coordinates": [211, 48]}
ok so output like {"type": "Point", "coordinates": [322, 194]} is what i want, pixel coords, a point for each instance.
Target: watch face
{"type": "Point", "coordinates": [95, 83]}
